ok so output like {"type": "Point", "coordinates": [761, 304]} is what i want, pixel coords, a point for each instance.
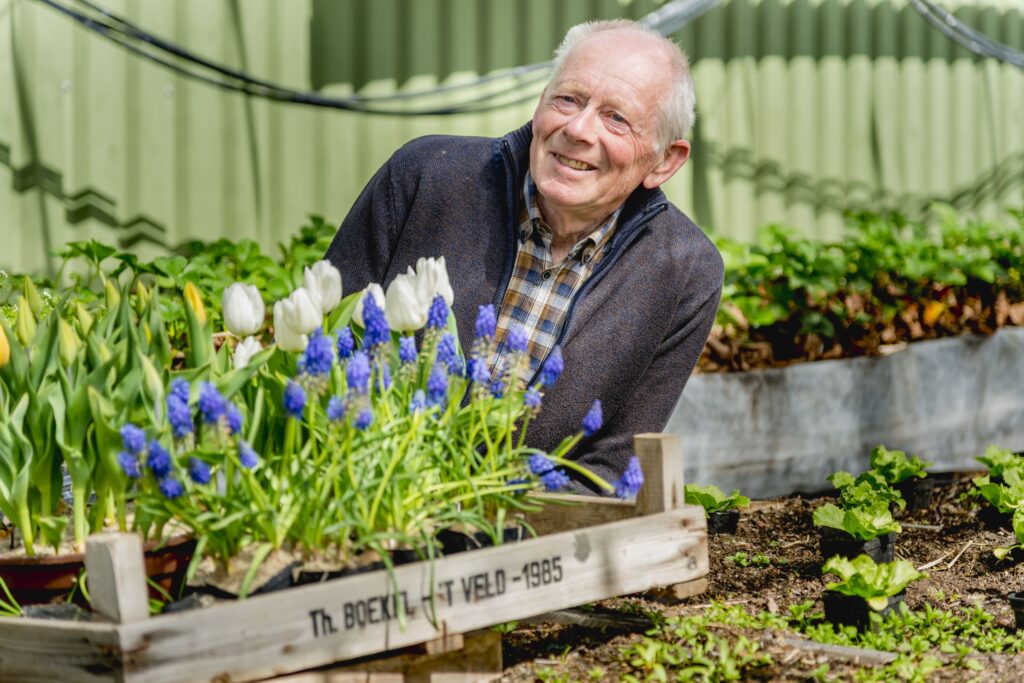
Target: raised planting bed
{"type": "Point", "coordinates": [778, 431]}
{"type": "Point", "coordinates": [611, 548]}
{"type": "Point", "coordinates": [761, 616]}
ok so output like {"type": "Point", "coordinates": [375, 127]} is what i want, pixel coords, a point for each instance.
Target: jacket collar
{"type": "Point", "coordinates": [515, 148]}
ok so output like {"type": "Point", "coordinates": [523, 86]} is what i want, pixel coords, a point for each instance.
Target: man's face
{"type": "Point", "coordinates": [595, 128]}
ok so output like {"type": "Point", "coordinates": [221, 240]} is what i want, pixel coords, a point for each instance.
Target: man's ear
{"type": "Point", "coordinates": [672, 160]}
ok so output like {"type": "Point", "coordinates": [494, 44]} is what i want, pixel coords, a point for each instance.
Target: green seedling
{"type": "Point", "coordinates": [876, 583]}
{"type": "Point", "coordinates": [713, 499]}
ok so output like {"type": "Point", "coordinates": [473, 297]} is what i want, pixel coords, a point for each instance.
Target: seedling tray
{"type": "Point", "coordinates": [654, 542]}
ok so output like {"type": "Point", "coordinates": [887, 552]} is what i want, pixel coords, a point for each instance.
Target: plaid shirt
{"type": "Point", "coordinates": [540, 291]}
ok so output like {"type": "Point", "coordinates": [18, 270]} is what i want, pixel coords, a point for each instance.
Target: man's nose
{"type": "Point", "coordinates": [583, 126]}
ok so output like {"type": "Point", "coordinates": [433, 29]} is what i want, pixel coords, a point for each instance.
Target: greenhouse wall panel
{"type": "Point", "coordinates": [806, 110]}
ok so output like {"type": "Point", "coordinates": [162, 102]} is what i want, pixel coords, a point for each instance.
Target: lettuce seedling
{"type": "Point", "coordinates": [1005, 497]}
{"type": "Point", "coordinates": [861, 577]}
{"type": "Point", "coordinates": [862, 523]}
{"type": "Point", "coordinates": [999, 460]}
{"type": "Point", "coordinates": [895, 466]}
{"type": "Point", "coordinates": [865, 490]}
{"type": "Point", "coordinates": [1018, 530]}
{"type": "Point", "coordinates": [713, 499]}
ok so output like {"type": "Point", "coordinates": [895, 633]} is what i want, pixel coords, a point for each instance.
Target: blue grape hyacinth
{"type": "Point", "coordinates": [540, 463]}
{"type": "Point", "coordinates": [554, 480]}
{"type": "Point", "coordinates": [234, 419]}
{"type": "Point", "coordinates": [486, 322]}
{"type": "Point", "coordinates": [179, 389]}
{"type": "Point", "coordinates": [437, 315]}
{"type": "Point", "coordinates": [532, 398]}
{"type": "Point", "coordinates": [247, 456]}
{"type": "Point", "coordinates": [437, 386]}
{"type": "Point", "coordinates": [593, 419]}
{"type": "Point", "coordinates": [159, 460]}
{"type": "Point", "coordinates": [318, 357]}
{"type": "Point", "coordinates": [133, 438]}
{"type": "Point", "coordinates": [358, 372]}
{"type": "Point", "coordinates": [364, 419]}
{"type": "Point", "coordinates": [130, 464]}
{"type": "Point", "coordinates": [294, 399]}
{"type": "Point", "coordinates": [552, 368]}
{"type": "Point", "coordinates": [171, 488]}
{"type": "Point", "coordinates": [517, 340]}
{"type": "Point", "coordinates": [211, 403]}
{"type": "Point", "coordinates": [631, 481]}
{"type": "Point", "coordinates": [446, 351]}
{"type": "Point", "coordinates": [336, 409]}
{"type": "Point", "coordinates": [377, 330]}
{"type": "Point", "coordinates": [407, 350]}
{"type": "Point", "coordinates": [346, 343]}
{"type": "Point", "coordinates": [179, 416]}
{"type": "Point", "coordinates": [419, 402]}
{"type": "Point", "coordinates": [199, 471]}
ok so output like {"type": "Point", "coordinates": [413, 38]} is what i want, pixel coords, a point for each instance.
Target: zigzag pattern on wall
{"type": "Point", "coordinates": [84, 205]}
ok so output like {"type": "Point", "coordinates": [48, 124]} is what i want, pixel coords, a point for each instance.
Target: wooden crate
{"type": "Point", "coordinates": [590, 549]}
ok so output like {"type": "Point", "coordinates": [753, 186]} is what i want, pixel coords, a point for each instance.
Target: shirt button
{"type": "Point", "coordinates": [546, 275]}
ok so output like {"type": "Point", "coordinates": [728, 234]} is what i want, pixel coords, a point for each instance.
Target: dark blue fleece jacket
{"type": "Point", "coordinates": [632, 334]}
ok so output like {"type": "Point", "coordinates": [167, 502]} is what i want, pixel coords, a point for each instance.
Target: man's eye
{"type": "Point", "coordinates": [618, 119]}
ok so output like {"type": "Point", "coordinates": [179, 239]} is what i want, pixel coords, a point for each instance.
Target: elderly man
{"type": "Point", "coordinates": [561, 226]}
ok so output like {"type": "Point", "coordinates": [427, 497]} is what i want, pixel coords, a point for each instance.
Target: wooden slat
{"type": "Point", "coordinates": [352, 617]}
{"type": "Point", "coordinates": [661, 458]}
{"type": "Point", "coordinates": [116, 574]}
{"type": "Point", "coordinates": [45, 650]}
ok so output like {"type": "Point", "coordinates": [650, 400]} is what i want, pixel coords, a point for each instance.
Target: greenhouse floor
{"type": "Point", "coordinates": [772, 563]}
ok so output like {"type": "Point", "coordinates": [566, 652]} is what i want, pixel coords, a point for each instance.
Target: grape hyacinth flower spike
{"type": "Point", "coordinates": [159, 460]}
{"type": "Point", "coordinates": [593, 419]}
{"type": "Point", "coordinates": [211, 403]}
{"type": "Point", "coordinates": [486, 322]}
{"type": "Point", "coordinates": [318, 357]}
{"type": "Point", "coordinates": [631, 481]}
{"type": "Point", "coordinates": [437, 316]}
{"type": "Point", "coordinates": [552, 368]}
{"type": "Point", "coordinates": [294, 399]}
{"type": "Point", "coordinates": [247, 456]}
{"type": "Point", "coordinates": [346, 343]}
{"type": "Point", "coordinates": [133, 439]}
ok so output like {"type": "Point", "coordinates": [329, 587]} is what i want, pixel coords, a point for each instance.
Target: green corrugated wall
{"type": "Point", "coordinates": [805, 109]}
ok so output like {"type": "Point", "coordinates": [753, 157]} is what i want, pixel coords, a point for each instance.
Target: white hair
{"type": "Point", "coordinates": [678, 110]}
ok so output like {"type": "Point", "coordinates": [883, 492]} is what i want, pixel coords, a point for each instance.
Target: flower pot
{"type": "Point", "coordinates": [724, 522]}
{"type": "Point", "coordinates": [453, 541]}
{"type": "Point", "coordinates": [835, 542]}
{"type": "Point", "coordinates": [1017, 605]}
{"type": "Point", "coordinates": [917, 492]}
{"type": "Point", "coordinates": [993, 519]}
{"type": "Point", "coordinates": [279, 580]}
{"type": "Point", "coordinates": [850, 610]}
{"type": "Point", "coordinates": [34, 580]}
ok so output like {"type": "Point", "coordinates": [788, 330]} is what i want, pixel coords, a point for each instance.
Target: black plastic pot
{"type": "Point", "coordinates": [319, 576]}
{"type": "Point", "coordinates": [835, 542]}
{"type": "Point", "coordinates": [1017, 605]}
{"type": "Point", "coordinates": [917, 492]}
{"type": "Point", "coordinates": [992, 518]}
{"type": "Point", "coordinates": [850, 610]}
{"type": "Point", "coordinates": [724, 522]}
{"type": "Point", "coordinates": [453, 542]}
{"type": "Point", "coordinates": [285, 578]}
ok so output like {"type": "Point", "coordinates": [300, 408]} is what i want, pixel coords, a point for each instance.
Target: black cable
{"type": "Point", "coordinates": [966, 36]}
{"type": "Point", "coordinates": [128, 28]}
{"type": "Point", "coordinates": [667, 19]}
{"type": "Point", "coordinates": [476, 105]}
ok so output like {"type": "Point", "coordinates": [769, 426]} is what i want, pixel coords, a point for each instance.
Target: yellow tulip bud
{"type": "Point", "coordinates": [5, 347]}
{"type": "Point", "coordinates": [104, 353]}
{"type": "Point", "coordinates": [113, 295]}
{"type": "Point", "coordinates": [32, 294]}
{"type": "Point", "coordinates": [148, 332]}
{"type": "Point", "coordinates": [84, 318]}
{"type": "Point", "coordinates": [141, 297]}
{"type": "Point", "coordinates": [195, 301]}
{"type": "Point", "coordinates": [154, 383]}
{"type": "Point", "coordinates": [25, 324]}
{"type": "Point", "coordinates": [67, 341]}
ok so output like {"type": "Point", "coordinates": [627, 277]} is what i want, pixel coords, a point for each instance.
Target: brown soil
{"type": "Point", "coordinates": [968, 574]}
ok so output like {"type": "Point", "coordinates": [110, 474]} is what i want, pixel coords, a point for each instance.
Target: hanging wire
{"type": "Point", "coordinates": [124, 33]}
{"type": "Point", "coordinates": [966, 36]}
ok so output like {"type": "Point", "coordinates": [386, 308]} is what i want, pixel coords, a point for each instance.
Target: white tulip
{"type": "Point", "coordinates": [323, 281]}
{"type": "Point", "coordinates": [403, 307]}
{"type": "Point", "coordinates": [286, 337]}
{"type": "Point", "coordinates": [243, 309]}
{"type": "Point", "coordinates": [301, 311]}
{"type": "Point", "coordinates": [244, 352]}
{"type": "Point", "coordinates": [378, 295]}
{"type": "Point", "coordinates": [432, 274]}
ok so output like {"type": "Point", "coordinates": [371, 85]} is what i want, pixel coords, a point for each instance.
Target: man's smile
{"type": "Point", "coordinates": [573, 163]}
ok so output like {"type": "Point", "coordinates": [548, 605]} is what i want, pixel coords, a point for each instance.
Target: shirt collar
{"type": "Point", "coordinates": [584, 248]}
